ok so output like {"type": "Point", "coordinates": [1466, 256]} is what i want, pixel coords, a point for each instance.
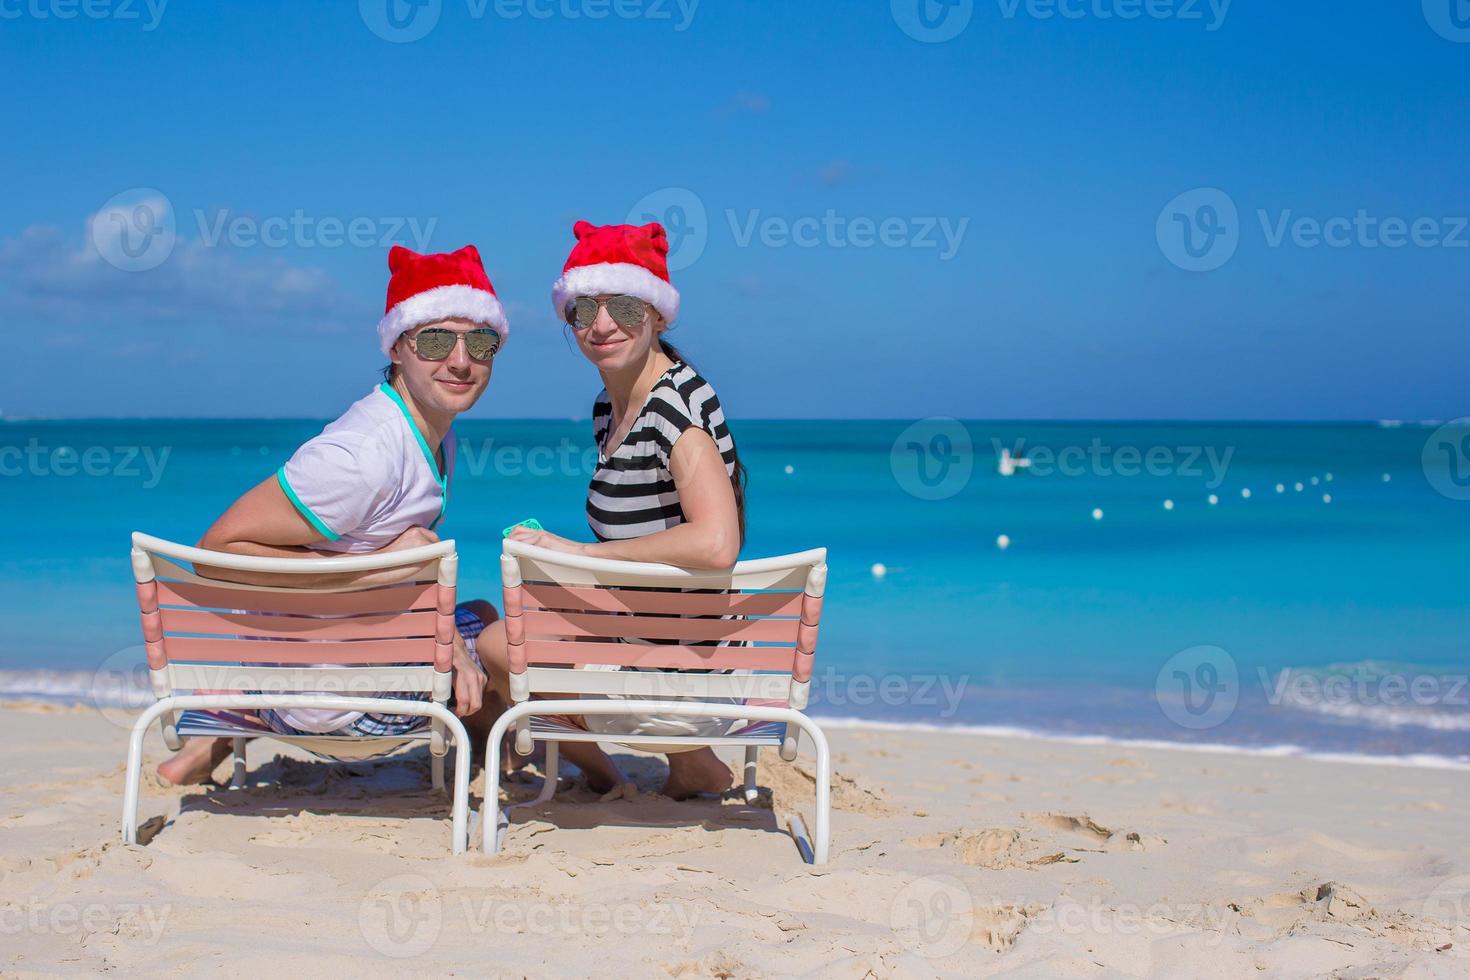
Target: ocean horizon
{"type": "Point", "coordinates": [1282, 587]}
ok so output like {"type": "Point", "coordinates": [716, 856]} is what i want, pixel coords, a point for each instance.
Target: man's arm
{"type": "Point", "coordinates": [264, 523]}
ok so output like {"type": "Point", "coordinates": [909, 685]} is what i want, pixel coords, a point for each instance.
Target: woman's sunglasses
{"type": "Point", "coordinates": [437, 343]}
{"type": "Point", "coordinates": [626, 311]}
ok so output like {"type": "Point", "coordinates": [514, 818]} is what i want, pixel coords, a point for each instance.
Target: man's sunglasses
{"type": "Point", "coordinates": [437, 343]}
{"type": "Point", "coordinates": [626, 311]}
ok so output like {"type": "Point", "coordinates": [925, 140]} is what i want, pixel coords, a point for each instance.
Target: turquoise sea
{"type": "Point", "coordinates": [1330, 619]}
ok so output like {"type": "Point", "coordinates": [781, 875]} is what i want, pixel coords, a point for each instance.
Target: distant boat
{"type": "Point", "coordinates": [1008, 464]}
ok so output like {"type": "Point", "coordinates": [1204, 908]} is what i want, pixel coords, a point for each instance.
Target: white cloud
{"type": "Point", "coordinates": [42, 273]}
{"type": "Point", "coordinates": [754, 103]}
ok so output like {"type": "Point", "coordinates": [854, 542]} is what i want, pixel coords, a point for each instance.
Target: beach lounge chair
{"type": "Point", "coordinates": [563, 611]}
{"type": "Point", "coordinates": [216, 649]}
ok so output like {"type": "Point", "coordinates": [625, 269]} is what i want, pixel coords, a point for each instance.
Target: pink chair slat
{"type": "Point", "coordinates": [806, 637]}
{"type": "Point", "coordinates": [515, 627]}
{"type": "Point", "coordinates": [515, 653]}
{"type": "Point", "coordinates": [662, 602]}
{"type": "Point", "coordinates": [801, 667]}
{"type": "Point", "coordinates": [811, 609]}
{"type": "Point", "coordinates": [385, 626]}
{"type": "Point", "coordinates": [215, 650]}
{"type": "Point", "coordinates": [445, 600]}
{"type": "Point", "coordinates": [397, 598]}
{"type": "Point", "coordinates": [152, 626]}
{"type": "Point", "coordinates": [556, 624]}
{"type": "Point", "coordinates": [658, 655]}
{"type": "Point", "coordinates": [147, 596]}
{"type": "Point", "coordinates": [515, 630]}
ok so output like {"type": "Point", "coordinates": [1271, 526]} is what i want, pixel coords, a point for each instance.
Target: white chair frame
{"type": "Point", "coordinates": [806, 571]}
{"type": "Point", "coordinates": [154, 557]}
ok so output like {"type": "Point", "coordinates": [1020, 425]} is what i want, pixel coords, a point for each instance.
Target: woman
{"type": "Point", "coordinates": [668, 487]}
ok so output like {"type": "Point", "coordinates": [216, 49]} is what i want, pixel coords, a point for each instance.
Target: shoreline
{"type": "Point", "coordinates": [77, 701]}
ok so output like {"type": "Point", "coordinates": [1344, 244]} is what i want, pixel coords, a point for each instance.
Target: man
{"type": "Point", "coordinates": [376, 480]}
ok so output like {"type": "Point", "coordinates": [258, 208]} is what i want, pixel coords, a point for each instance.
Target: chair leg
{"type": "Point", "coordinates": [791, 744]}
{"type": "Point", "coordinates": [237, 779]}
{"type": "Point", "coordinates": [131, 780]}
{"type": "Point", "coordinates": [459, 809]}
{"type": "Point", "coordinates": [548, 785]}
{"type": "Point", "coordinates": [491, 816]}
{"type": "Point", "coordinates": [436, 769]}
{"type": "Point", "coordinates": [751, 754]}
{"type": "Point", "coordinates": [824, 802]}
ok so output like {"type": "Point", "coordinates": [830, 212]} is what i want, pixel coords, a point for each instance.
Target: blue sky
{"type": "Point", "coordinates": [875, 222]}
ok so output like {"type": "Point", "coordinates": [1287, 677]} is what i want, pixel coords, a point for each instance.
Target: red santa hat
{"type": "Point", "coordinates": [426, 288]}
{"type": "Point", "coordinates": [630, 260]}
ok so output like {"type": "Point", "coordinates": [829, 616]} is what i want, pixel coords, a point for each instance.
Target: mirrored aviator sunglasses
{"type": "Point", "coordinates": [437, 343]}
{"type": "Point", "coordinates": [626, 311]}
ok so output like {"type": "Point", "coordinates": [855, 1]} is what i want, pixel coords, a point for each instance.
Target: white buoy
{"type": "Point", "coordinates": [1003, 541]}
{"type": "Point", "coordinates": [1328, 478]}
{"type": "Point", "coordinates": [790, 469]}
{"type": "Point", "coordinates": [1168, 505]}
{"type": "Point", "coordinates": [1327, 498]}
{"type": "Point", "coordinates": [1214, 500]}
{"type": "Point", "coordinates": [879, 569]}
{"type": "Point", "coordinates": [1280, 488]}
{"type": "Point", "coordinates": [1297, 487]}
{"type": "Point", "coordinates": [1315, 481]}
{"type": "Point", "coordinates": [1008, 464]}
{"type": "Point", "coordinates": [1386, 478]}
{"type": "Point", "coordinates": [1246, 492]}
{"type": "Point", "coordinates": [1097, 513]}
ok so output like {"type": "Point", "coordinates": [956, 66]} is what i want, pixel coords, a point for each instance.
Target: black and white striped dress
{"type": "Point", "coordinates": [632, 492]}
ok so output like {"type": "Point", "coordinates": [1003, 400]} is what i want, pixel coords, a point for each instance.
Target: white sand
{"type": "Point", "coordinates": [974, 856]}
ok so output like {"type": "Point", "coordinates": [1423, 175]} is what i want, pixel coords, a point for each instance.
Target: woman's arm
{"type": "Point", "coordinates": [710, 534]}
{"type": "Point", "coordinates": [265, 524]}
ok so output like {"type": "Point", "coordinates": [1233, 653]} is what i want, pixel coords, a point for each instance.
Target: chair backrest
{"type": "Point", "coordinates": [759, 617]}
{"type": "Point", "coordinates": [207, 634]}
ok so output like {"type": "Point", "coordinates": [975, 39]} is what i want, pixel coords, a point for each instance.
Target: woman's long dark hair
{"type": "Point", "coordinates": [739, 475]}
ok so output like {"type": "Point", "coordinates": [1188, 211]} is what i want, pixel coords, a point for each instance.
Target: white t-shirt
{"type": "Point", "coordinates": [369, 476]}
{"type": "Point", "coordinates": [365, 480]}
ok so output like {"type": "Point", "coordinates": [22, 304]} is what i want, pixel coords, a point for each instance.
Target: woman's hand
{"type": "Point", "coordinates": [545, 539]}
